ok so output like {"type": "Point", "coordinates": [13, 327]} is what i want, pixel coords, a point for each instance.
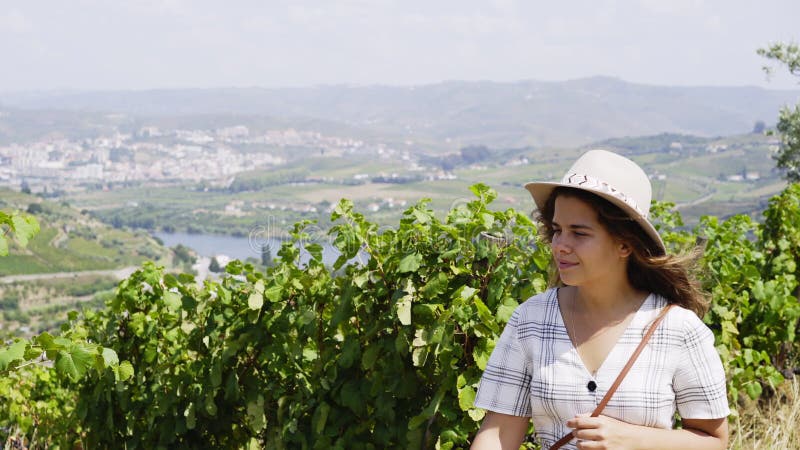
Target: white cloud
{"type": "Point", "coordinates": [14, 22]}
{"type": "Point", "coordinates": [161, 7]}
{"type": "Point", "coordinates": [674, 7]}
{"type": "Point", "coordinates": [714, 23]}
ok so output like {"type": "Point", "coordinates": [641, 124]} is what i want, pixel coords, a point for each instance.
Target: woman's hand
{"type": "Point", "coordinates": [602, 432]}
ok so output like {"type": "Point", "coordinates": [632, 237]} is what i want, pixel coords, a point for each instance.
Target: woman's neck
{"type": "Point", "coordinates": [608, 299]}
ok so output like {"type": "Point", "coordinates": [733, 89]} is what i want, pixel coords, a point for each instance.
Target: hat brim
{"type": "Point", "coordinates": [541, 192]}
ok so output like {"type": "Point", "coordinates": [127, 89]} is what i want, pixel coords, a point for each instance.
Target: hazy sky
{"type": "Point", "coordinates": [142, 44]}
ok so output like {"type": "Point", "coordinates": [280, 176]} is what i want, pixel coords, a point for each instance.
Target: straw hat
{"type": "Point", "coordinates": [612, 177]}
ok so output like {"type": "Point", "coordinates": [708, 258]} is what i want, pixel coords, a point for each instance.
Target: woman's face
{"type": "Point", "coordinates": [584, 251]}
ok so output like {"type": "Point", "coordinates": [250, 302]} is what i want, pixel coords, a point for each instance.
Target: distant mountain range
{"type": "Point", "coordinates": [524, 113]}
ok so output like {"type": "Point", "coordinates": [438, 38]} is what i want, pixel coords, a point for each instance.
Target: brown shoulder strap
{"type": "Point", "coordinates": [621, 375]}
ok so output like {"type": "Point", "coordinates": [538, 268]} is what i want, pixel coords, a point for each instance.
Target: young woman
{"type": "Point", "coordinates": [562, 349]}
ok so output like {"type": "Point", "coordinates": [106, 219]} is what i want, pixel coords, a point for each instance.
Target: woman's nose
{"type": "Point", "coordinates": [559, 245]}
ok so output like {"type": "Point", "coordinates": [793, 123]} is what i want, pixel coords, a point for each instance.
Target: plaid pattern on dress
{"type": "Point", "coordinates": [535, 371]}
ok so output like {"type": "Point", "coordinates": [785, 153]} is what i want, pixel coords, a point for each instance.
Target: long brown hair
{"type": "Point", "coordinates": [649, 269]}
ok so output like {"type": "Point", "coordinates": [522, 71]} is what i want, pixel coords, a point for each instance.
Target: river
{"type": "Point", "coordinates": [241, 248]}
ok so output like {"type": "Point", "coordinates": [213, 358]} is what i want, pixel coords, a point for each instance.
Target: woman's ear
{"type": "Point", "coordinates": [624, 249]}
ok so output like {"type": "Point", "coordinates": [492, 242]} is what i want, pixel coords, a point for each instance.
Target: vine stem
{"type": "Point", "coordinates": [489, 271]}
{"type": "Point", "coordinates": [29, 363]}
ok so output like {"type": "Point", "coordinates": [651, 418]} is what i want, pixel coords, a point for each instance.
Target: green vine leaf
{"type": "Point", "coordinates": [13, 353]}
{"type": "Point", "coordinates": [125, 371]}
{"type": "Point", "coordinates": [110, 358]}
{"type": "Point", "coordinates": [24, 227]}
{"type": "Point", "coordinates": [466, 397]}
{"type": "Point", "coordinates": [255, 414]}
{"type": "Point", "coordinates": [410, 263]}
{"type": "Point", "coordinates": [172, 300]}
{"type": "Point", "coordinates": [74, 362]}
{"type": "Point", "coordinates": [404, 310]}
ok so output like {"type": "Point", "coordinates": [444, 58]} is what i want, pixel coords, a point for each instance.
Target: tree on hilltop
{"type": "Point", "coordinates": [788, 127]}
{"type": "Point", "coordinates": [266, 255]}
{"type": "Point", "coordinates": [215, 266]}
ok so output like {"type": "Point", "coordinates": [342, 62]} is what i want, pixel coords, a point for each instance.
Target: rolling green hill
{"type": "Point", "coordinates": [71, 241]}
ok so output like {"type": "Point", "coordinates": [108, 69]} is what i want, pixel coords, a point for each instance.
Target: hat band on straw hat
{"type": "Point", "coordinates": [591, 183]}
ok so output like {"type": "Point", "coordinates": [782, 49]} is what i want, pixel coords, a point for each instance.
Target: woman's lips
{"type": "Point", "coordinates": [565, 265]}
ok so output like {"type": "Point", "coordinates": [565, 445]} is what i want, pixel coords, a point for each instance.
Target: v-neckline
{"type": "Point", "coordinates": [574, 349]}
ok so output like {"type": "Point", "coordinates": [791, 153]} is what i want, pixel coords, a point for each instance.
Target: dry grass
{"type": "Point", "coordinates": [774, 424]}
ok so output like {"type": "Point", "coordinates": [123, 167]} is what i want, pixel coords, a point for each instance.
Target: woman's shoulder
{"type": "Point", "coordinates": [681, 319]}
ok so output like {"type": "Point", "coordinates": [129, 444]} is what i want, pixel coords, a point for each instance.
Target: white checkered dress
{"type": "Point", "coordinates": [535, 371]}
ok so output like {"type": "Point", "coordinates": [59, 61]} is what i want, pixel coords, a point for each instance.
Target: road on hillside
{"type": "Point", "coordinates": [696, 202]}
{"type": "Point", "coordinates": [119, 274]}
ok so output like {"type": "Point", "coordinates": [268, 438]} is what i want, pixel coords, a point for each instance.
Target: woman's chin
{"type": "Point", "coordinates": [568, 279]}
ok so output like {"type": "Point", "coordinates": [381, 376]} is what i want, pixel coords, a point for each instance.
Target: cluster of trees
{"type": "Point", "coordinates": [257, 181]}
{"type": "Point", "coordinates": [383, 350]}
{"type": "Point", "coordinates": [467, 155]}
{"type": "Point", "coordinates": [663, 142]}
{"type": "Point", "coordinates": [396, 179]}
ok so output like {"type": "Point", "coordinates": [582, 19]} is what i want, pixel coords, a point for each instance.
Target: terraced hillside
{"type": "Point", "coordinates": [72, 241]}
